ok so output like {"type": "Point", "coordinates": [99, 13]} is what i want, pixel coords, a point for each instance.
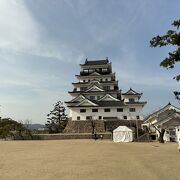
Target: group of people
{"type": "Point", "coordinates": [97, 136]}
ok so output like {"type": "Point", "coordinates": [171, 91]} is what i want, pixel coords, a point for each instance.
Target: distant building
{"type": "Point", "coordinates": [97, 96]}
{"type": "Point", "coordinates": [167, 118]}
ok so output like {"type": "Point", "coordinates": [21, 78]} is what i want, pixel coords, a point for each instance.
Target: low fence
{"type": "Point", "coordinates": [63, 136]}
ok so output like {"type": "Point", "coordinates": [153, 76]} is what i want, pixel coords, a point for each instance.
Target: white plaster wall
{"type": "Point", "coordinates": [178, 134]}
{"type": "Point", "coordinates": [130, 115]}
{"type": "Point", "coordinates": [112, 87]}
{"type": "Point", "coordinates": [126, 98]}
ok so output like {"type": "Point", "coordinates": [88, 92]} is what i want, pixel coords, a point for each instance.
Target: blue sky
{"type": "Point", "coordinates": [42, 43]}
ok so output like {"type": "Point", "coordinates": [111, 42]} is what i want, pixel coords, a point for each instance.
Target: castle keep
{"type": "Point", "coordinates": [96, 95]}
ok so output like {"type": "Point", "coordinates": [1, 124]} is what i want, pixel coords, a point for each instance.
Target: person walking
{"type": "Point", "coordinates": [179, 144]}
{"type": "Point", "coordinates": [95, 136]}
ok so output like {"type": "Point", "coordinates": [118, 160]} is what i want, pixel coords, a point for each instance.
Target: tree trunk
{"type": "Point", "coordinates": [161, 139]}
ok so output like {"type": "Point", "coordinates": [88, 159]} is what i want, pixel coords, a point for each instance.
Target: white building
{"type": "Point", "coordinates": [97, 96]}
{"type": "Point", "coordinates": [167, 118]}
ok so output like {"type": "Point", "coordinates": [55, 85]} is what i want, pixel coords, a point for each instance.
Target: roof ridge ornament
{"type": "Point", "coordinates": [107, 59]}
{"type": "Point", "coordinates": [86, 60]}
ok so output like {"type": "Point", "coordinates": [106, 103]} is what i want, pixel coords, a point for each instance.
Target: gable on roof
{"type": "Point", "coordinates": [94, 81]}
{"type": "Point", "coordinates": [171, 115]}
{"type": "Point", "coordinates": [108, 97]}
{"type": "Point", "coordinates": [86, 102]}
{"type": "Point", "coordinates": [131, 92]}
{"type": "Point", "coordinates": [95, 74]}
{"type": "Point", "coordinates": [161, 111]}
{"type": "Point", "coordinates": [78, 98]}
{"type": "Point", "coordinates": [94, 88]}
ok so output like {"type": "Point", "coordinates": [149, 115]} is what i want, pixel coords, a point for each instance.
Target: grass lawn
{"type": "Point", "coordinates": [88, 159]}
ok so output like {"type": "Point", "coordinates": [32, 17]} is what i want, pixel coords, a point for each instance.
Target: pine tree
{"type": "Point", "coordinates": [57, 118]}
{"type": "Point", "coordinates": [172, 38]}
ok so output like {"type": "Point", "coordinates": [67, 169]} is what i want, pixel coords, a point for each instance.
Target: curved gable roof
{"type": "Point", "coordinates": [108, 97]}
{"type": "Point", "coordinates": [169, 106]}
{"type": "Point", "coordinates": [131, 92]}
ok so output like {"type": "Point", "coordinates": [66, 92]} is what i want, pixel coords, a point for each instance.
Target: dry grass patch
{"type": "Point", "coordinates": [88, 159]}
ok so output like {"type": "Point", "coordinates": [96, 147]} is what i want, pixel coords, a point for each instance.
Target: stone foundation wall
{"type": "Point", "coordinates": [84, 126]}
{"type": "Point", "coordinates": [100, 126]}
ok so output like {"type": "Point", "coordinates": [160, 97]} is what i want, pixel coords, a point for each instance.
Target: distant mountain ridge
{"type": "Point", "coordinates": [34, 126]}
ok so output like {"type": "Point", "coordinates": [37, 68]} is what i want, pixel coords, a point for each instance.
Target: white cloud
{"type": "Point", "coordinates": [21, 33]}
{"type": "Point", "coordinates": [18, 30]}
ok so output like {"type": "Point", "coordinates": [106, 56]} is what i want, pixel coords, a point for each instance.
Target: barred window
{"type": "Point", "coordinates": [107, 110]}
{"type": "Point", "coordinates": [132, 110]}
{"type": "Point", "coordinates": [125, 117]}
{"type": "Point", "coordinates": [131, 99]}
{"type": "Point", "coordinates": [94, 110]}
{"type": "Point", "coordinates": [119, 109]}
{"type": "Point", "coordinates": [83, 88]}
{"type": "Point", "coordinates": [82, 110]}
{"type": "Point", "coordinates": [92, 97]}
{"type": "Point", "coordinates": [88, 117]}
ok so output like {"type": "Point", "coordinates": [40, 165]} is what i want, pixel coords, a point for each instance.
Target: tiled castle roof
{"type": "Point", "coordinates": [95, 62]}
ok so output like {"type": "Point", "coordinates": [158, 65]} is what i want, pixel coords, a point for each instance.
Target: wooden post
{"type": "Point", "coordinates": [137, 130]}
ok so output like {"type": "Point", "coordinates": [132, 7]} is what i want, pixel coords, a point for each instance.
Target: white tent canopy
{"type": "Point", "coordinates": [122, 134]}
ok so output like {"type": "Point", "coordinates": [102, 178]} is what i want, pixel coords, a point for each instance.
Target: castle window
{"type": "Point", "coordinates": [112, 78]}
{"type": "Point", "coordinates": [137, 117]}
{"type": "Point", "coordinates": [131, 99]}
{"type": "Point", "coordinates": [106, 88]}
{"type": "Point", "coordinates": [119, 109]}
{"type": "Point", "coordinates": [107, 110]}
{"type": "Point", "coordinates": [83, 88]}
{"type": "Point", "coordinates": [94, 110]}
{"type": "Point", "coordinates": [78, 117]}
{"type": "Point", "coordinates": [125, 117]}
{"type": "Point", "coordinates": [88, 117]}
{"type": "Point", "coordinates": [92, 97]}
{"type": "Point", "coordinates": [98, 97]}
{"type": "Point", "coordinates": [132, 110]}
{"type": "Point", "coordinates": [100, 117]}
{"type": "Point", "coordinates": [82, 110]}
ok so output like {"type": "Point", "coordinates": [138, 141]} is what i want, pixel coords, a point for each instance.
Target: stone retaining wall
{"type": "Point", "coordinates": [69, 136]}
{"type": "Point", "coordinates": [84, 126]}
{"type": "Point", "coordinates": [100, 126]}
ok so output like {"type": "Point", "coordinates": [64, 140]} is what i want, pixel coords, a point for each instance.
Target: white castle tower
{"type": "Point", "coordinates": [97, 96]}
